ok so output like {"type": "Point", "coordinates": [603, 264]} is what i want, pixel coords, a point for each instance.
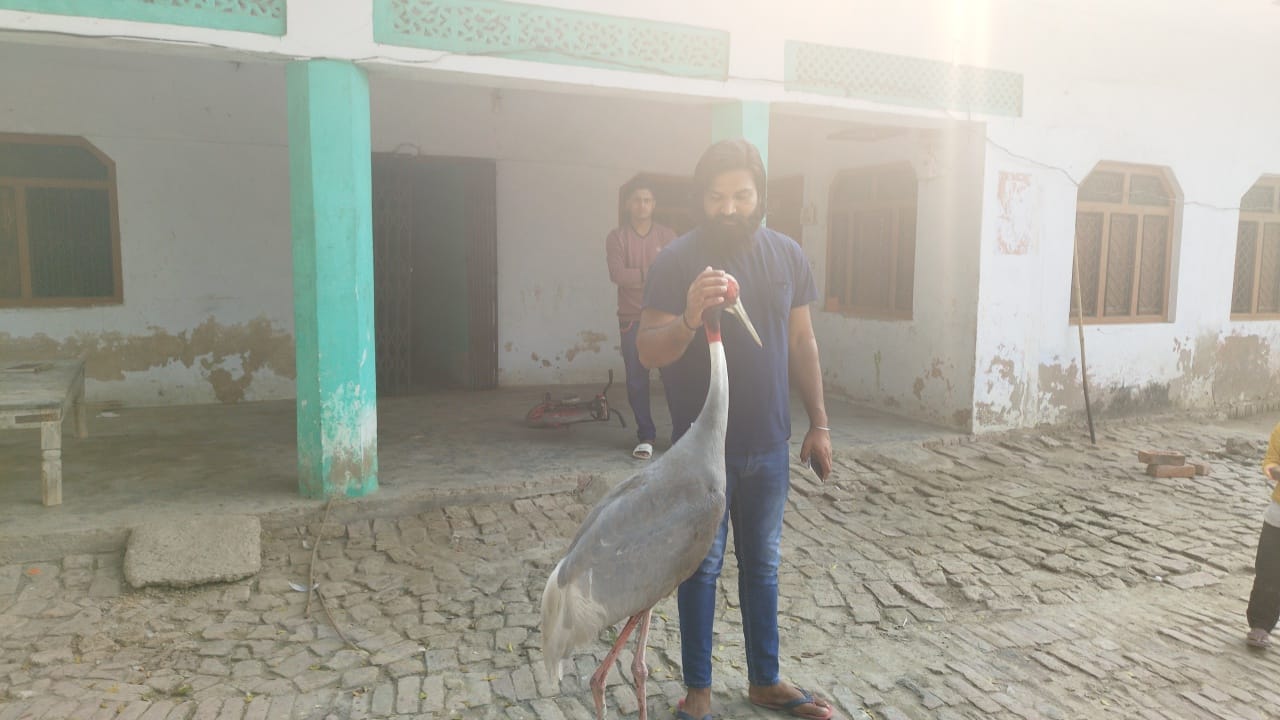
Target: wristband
{"type": "Point", "coordinates": [686, 323]}
{"type": "Point", "coordinates": [819, 427]}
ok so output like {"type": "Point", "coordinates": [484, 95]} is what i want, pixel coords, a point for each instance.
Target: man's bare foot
{"type": "Point", "coordinates": [696, 704]}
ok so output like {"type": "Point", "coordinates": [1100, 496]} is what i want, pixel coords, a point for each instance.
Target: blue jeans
{"type": "Point", "coordinates": [637, 382]}
{"type": "Point", "coordinates": [756, 492]}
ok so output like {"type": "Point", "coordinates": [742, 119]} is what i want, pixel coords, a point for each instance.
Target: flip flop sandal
{"type": "Point", "coordinates": [643, 451]}
{"type": "Point", "coordinates": [791, 706]}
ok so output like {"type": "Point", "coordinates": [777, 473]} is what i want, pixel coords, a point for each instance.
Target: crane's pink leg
{"type": "Point", "coordinates": [597, 678]}
{"type": "Point", "coordinates": [638, 668]}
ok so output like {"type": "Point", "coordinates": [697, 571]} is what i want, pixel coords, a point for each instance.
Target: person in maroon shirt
{"type": "Point", "coordinates": [631, 249]}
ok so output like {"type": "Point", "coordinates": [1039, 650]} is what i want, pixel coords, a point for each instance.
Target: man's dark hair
{"type": "Point", "coordinates": [639, 182]}
{"type": "Point", "coordinates": [727, 156]}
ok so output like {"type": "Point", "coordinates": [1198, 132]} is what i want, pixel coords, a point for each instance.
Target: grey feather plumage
{"type": "Point", "coordinates": [646, 536]}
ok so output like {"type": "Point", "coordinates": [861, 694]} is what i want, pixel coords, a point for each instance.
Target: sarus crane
{"type": "Point", "coordinates": [647, 535]}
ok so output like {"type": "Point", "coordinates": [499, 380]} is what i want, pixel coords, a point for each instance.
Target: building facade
{"type": "Point", "coordinates": [221, 201]}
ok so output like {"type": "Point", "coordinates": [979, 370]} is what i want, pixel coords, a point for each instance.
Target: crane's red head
{"type": "Point", "coordinates": [733, 305]}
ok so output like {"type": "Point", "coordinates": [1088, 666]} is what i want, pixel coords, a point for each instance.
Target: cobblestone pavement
{"type": "Point", "coordinates": [1025, 576]}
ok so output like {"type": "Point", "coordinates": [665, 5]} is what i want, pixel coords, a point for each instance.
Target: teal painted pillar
{"type": "Point", "coordinates": [332, 210]}
{"type": "Point", "coordinates": [745, 119]}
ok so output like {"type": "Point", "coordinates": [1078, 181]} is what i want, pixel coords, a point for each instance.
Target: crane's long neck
{"type": "Point", "coordinates": [713, 421]}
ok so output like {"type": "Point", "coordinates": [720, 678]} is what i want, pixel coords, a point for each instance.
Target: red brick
{"type": "Point", "coordinates": [1171, 471]}
{"type": "Point", "coordinates": [1161, 457]}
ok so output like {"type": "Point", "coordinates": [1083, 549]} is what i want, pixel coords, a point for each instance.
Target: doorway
{"type": "Point", "coordinates": [435, 273]}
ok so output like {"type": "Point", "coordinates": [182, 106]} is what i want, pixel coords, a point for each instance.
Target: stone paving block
{"type": "Point", "coordinates": [282, 708]}
{"type": "Point", "coordinates": [523, 681]}
{"type": "Point", "coordinates": [183, 552]}
{"type": "Point", "coordinates": [1193, 580]}
{"type": "Point", "coordinates": [398, 651]}
{"type": "Point", "coordinates": [208, 709]}
{"type": "Point", "coordinates": [258, 708]}
{"type": "Point", "coordinates": [407, 689]}
{"type": "Point", "coordinates": [10, 580]}
{"type": "Point", "coordinates": [1057, 563]}
{"type": "Point", "coordinates": [232, 709]}
{"type": "Point", "coordinates": [312, 680]}
{"type": "Point", "coordinates": [547, 710]}
{"type": "Point", "coordinates": [433, 694]}
{"type": "Point", "coordinates": [360, 677]}
{"type": "Point", "coordinates": [294, 665]}
{"type": "Point", "coordinates": [917, 592]}
{"type": "Point", "coordinates": [885, 594]}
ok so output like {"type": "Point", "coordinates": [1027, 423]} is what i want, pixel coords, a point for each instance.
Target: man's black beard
{"type": "Point", "coordinates": [727, 236]}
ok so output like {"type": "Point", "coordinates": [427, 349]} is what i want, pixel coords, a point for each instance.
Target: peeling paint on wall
{"type": "Point", "coordinates": [1006, 390]}
{"type": "Point", "coordinates": [588, 341]}
{"type": "Point", "coordinates": [1060, 390]}
{"type": "Point", "coordinates": [1243, 370]}
{"type": "Point", "coordinates": [228, 355]}
{"type": "Point", "coordinates": [935, 373]}
{"type": "Point", "coordinates": [350, 434]}
{"type": "Point", "coordinates": [1017, 213]}
{"type": "Point", "coordinates": [1211, 371]}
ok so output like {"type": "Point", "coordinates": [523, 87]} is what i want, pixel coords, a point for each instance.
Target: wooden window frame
{"type": "Point", "coordinates": [1262, 219]}
{"type": "Point", "coordinates": [20, 186]}
{"type": "Point", "coordinates": [846, 306]}
{"type": "Point", "coordinates": [1124, 207]}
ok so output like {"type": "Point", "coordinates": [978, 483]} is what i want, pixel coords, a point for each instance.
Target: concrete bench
{"type": "Point", "coordinates": [42, 393]}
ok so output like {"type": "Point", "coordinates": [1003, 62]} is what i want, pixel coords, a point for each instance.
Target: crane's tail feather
{"type": "Point", "coordinates": [569, 618]}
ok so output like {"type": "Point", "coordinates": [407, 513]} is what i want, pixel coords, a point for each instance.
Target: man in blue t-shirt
{"type": "Point", "coordinates": [776, 289]}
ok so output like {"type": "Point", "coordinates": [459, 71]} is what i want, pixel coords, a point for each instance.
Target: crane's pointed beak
{"type": "Point", "coordinates": [740, 312]}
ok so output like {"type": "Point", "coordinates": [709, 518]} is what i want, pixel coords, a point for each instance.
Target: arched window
{"type": "Point", "coordinates": [59, 232]}
{"type": "Point", "coordinates": [1124, 241]}
{"type": "Point", "coordinates": [1257, 285]}
{"type": "Point", "coordinates": [871, 248]}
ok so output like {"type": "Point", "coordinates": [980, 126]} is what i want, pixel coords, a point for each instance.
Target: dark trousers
{"type": "Point", "coordinates": [1264, 601]}
{"type": "Point", "coordinates": [637, 382]}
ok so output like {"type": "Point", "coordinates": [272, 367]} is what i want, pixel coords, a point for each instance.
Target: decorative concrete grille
{"type": "Point", "coordinates": [901, 80]}
{"type": "Point", "coordinates": [530, 32]}
{"type": "Point", "coordinates": [258, 16]}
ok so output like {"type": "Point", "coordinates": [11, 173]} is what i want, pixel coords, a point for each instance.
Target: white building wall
{"type": "Point", "coordinates": [201, 161]}
{"type": "Point", "coordinates": [1173, 104]}
{"type": "Point", "coordinates": [1177, 83]}
{"type": "Point", "coordinates": [922, 367]}
{"type": "Point", "coordinates": [202, 172]}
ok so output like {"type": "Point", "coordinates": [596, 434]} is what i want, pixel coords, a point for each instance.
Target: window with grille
{"type": "Point", "coordinates": [1124, 241]}
{"type": "Point", "coordinates": [871, 249]}
{"type": "Point", "coordinates": [1256, 291]}
{"type": "Point", "coordinates": [59, 234]}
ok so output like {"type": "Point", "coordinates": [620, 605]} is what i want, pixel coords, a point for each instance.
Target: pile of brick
{"type": "Point", "coordinates": [1169, 464]}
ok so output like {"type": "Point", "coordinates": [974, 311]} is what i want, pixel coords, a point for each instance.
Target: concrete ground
{"type": "Point", "coordinates": [1027, 575]}
{"type": "Point", "coordinates": [435, 449]}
